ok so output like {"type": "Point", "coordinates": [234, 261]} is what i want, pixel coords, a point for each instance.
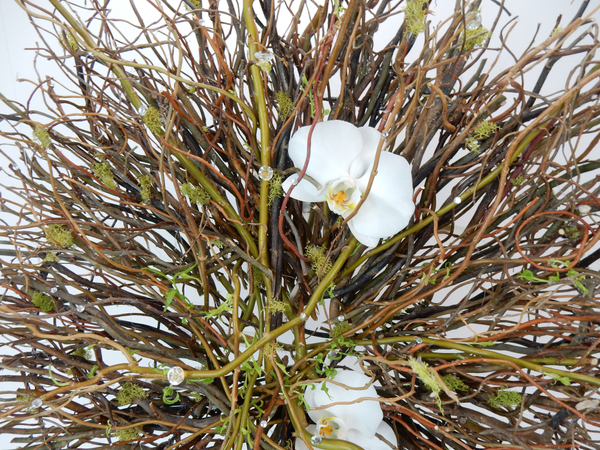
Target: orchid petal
{"type": "Point", "coordinates": [374, 443]}
{"type": "Point", "coordinates": [335, 144]}
{"type": "Point", "coordinates": [304, 191]}
{"type": "Point", "coordinates": [363, 416]}
{"type": "Point", "coordinates": [370, 142]}
{"type": "Point", "coordinates": [367, 241]}
{"type": "Point", "coordinates": [389, 206]}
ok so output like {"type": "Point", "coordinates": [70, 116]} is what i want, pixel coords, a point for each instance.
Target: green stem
{"type": "Point", "coordinates": [271, 335]}
{"type": "Point", "coordinates": [427, 220]}
{"type": "Point", "coordinates": [263, 120]}
{"type": "Point", "coordinates": [522, 363]}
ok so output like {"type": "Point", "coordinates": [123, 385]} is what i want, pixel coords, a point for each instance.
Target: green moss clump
{"type": "Point", "coordinates": [145, 188]}
{"type": "Point", "coordinates": [340, 328]}
{"type": "Point", "coordinates": [275, 189]}
{"type": "Point", "coordinates": [152, 120]}
{"type": "Point", "coordinates": [51, 257]}
{"type": "Point", "coordinates": [83, 352]}
{"type": "Point", "coordinates": [196, 4]}
{"type": "Point", "coordinates": [217, 243]}
{"type": "Point", "coordinates": [42, 301]}
{"type": "Point", "coordinates": [414, 18]}
{"type": "Point", "coordinates": [60, 235]}
{"type": "Point", "coordinates": [476, 37]}
{"type": "Point", "coordinates": [42, 136]}
{"type": "Point", "coordinates": [483, 131]}
{"type": "Point", "coordinates": [196, 194]}
{"type": "Point", "coordinates": [506, 399]}
{"type": "Point", "coordinates": [128, 392]}
{"type": "Point", "coordinates": [127, 435]}
{"type": "Point", "coordinates": [285, 106]}
{"type": "Point", "coordinates": [320, 263]}
{"type": "Point", "coordinates": [455, 383]}
{"type": "Point", "coordinates": [258, 278]}
{"type": "Point", "coordinates": [72, 42]}
{"type": "Point", "coordinates": [426, 375]}
{"type": "Point", "coordinates": [277, 306]}
{"type": "Point", "coordinates": [104, 173]}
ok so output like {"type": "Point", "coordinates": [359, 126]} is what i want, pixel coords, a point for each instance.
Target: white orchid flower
{"type": "Point", "coordinates": [357, 421]}
{"type": "Point", "coordinates": [341, 159]}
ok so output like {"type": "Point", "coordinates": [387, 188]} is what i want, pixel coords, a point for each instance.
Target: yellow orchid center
{"type": "Point", "coordinates": [343, 196]}
{"type": "Point", "coordinates": [328, 426]}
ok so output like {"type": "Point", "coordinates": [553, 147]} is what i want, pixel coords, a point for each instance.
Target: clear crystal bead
{"type": "Point", "coordinates": [53, 290]}
{"type": "Point", "coordinates": [264, 423]}
{"type": "Point", "coordinates": [80, 308]}
{"type": "Point", "coordinates": [295, 182]}
{"type": "Point", "coordinates": [341, 318]}
{"type": "Point", "coordinates": [303, 316]}
{"type": "Point", "coordinates": [457, 200]}
{"type": "Point", "coordinates": [316, 439]}
{"type": "Point", "coordinates": [385, 134]}
{"type": "Point", "coordinates": [13, 166]}
{"type": "Point", "coordinates": [474, 22]}
{"type": "Point", "coordinates": [36, 403]}
{"type": "Point", "coordinates": [419, 340]}
{"type": "Point", "coordinates": [584, 209]}
{"type": "Point", "coordinates": [265, 173]}
{"type": "Point", "coordinates": [265, 57]}
{"type": "Point", "coordinates": [175, 375]}
{"type": "Point", "coordinates": [142, 110]}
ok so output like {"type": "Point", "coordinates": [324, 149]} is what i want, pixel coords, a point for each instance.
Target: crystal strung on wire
{"type": "Point", "coordinates": [80, 308]}
{"type": "Point", "coordinates": [303, 316]}
{"type": "Point", "coordinates": [385, 134]}
{"type": "Point", "coordinates": [53, 290]}
{"type": "Point", "coordinates": [457, 200]}
{"type": "Point", "coordinates": [36, 403]}
{"type": "Point", "coordinates": [265, 173]}
{"type": "Point", "coordinates": [175, 375]}
{"type": "Point", "coordinates": [418, 340]}
{"type": "Point", "coordinates": [316, 439]}
{"type": "Point", "coordinates": [474, 22]}
{"type": "Point", "coordinates": [341, 318]}
{"type": "Point", "coordinates": [264, 423]}
{"type": "Point", "coordinates": [264, 57]}
{"type": "Point", "coordinates": [142, 110]}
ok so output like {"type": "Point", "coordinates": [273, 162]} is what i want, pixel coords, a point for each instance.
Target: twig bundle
{"type": "Point", "coordinates": [140, 186]}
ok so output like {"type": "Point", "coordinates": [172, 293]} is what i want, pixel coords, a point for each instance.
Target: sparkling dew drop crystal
{"type": "Point", "coordinates": [175, 375]}
{"type": "Point", "coordinates": [385, 134]}
{"type": "Point", "coordinates": [80, 308]}
{"type": "Point", "coordinates": [53, 290]}
{"type": "Point", "coordinates": [316, 439]}
{"type": "Point", "coordinates": [142, 110]}
{"type": "Point", "coordinates": [341, 318]}
{"type": "Point", "coordinates": [584, 209]}
{"type": "Point", "coordinates": [36, 403]}
{"type": "Point", "coordinates": [419, 340]}
{"type": "Point", "coordinates": [265, 57]}
{"type": "Point", "coordinates": [13, 166]}
{"type": "Point", "coordinates": [264, 423]}
{"type": "Point", "coordinates": [474, 22]}
{"type": "Point", "coordinates": [303, 316]}
{"type": "Point", "coordinates": [265, 173]}
{"type": "Point", "coordinates": [457, 200]}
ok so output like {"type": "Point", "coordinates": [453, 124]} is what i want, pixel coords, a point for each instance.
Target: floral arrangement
{"type": "Point", "coordinates": [252, 225]}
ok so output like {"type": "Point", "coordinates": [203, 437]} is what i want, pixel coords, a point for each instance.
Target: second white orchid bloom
{"type": "Point", "coordinates": [357, 421]}
{"type": "Point", "coordinates": [341, 159]}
